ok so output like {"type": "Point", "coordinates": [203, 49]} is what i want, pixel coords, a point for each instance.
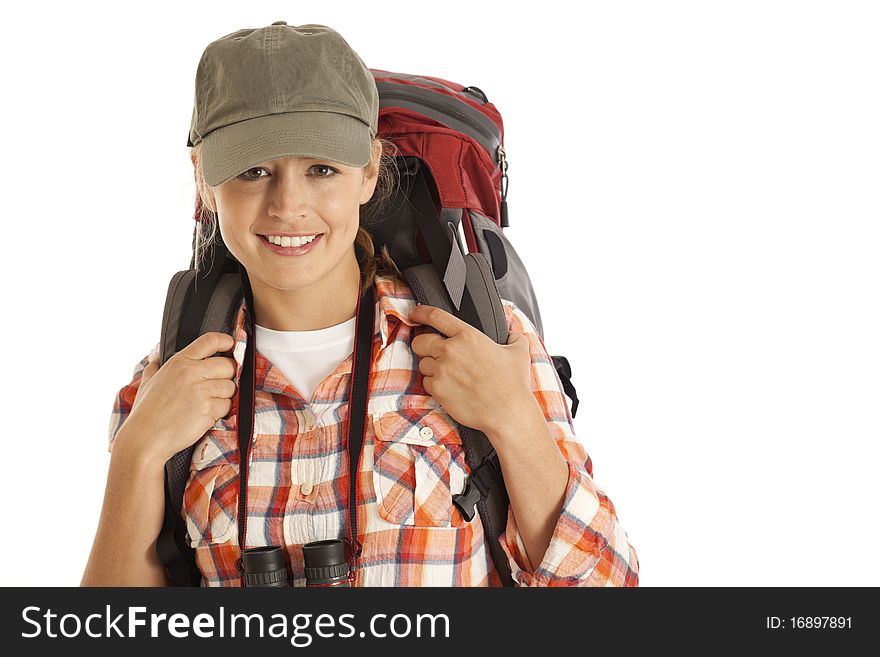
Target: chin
{"type": "Point", "coordinates": [285, 278]}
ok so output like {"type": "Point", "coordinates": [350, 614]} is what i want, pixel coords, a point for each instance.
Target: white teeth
{"type": "Point", "coordinates": [290, 241]}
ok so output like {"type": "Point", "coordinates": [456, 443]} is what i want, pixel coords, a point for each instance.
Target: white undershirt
{"type": "Point", "coordinates": [307, 357]}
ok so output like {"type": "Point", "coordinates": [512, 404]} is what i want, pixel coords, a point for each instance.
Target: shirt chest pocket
{"type": "Point", "coordinates": [210, 499]}
{"type": "Point", "coordinates": [418, 466]}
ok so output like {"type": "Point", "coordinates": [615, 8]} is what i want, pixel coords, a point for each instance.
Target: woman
{"type": "Point", "coordinates": [284, 145]}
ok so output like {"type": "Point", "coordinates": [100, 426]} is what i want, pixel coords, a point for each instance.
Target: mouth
{"type": "Point", "coordinates": [291, 250]}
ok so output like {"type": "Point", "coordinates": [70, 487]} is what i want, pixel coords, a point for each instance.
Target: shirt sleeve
{"type": "Point", "coordinates": [125, 398]}
{"type": "Point", "coordinates": [588, 546]}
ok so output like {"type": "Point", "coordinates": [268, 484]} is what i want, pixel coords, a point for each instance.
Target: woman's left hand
{"type": "Point", "coordinates": [477, 381]}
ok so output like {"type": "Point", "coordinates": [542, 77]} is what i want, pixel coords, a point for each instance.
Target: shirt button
{"type": "Point", "coordinates": [426, 432]}
{"type": "Point", "coordinates": [306, 488]}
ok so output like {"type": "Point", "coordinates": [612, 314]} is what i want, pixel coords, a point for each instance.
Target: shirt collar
{"type": "Point", "coordinates": [395, 301]}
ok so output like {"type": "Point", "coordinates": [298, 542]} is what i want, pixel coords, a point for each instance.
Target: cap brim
{"type": "Point", "coordinates": [233, 149]}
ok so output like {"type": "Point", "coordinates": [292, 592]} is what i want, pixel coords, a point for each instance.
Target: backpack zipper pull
{"type": "Point", "coordinates": [502, 163]}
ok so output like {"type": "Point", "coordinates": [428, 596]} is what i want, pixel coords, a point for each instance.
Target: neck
{"type": "Point", "coordinates": [327, 302]}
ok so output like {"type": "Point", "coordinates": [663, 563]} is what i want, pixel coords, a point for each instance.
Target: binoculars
{"type": "Point", "coordinates": [325, 564]}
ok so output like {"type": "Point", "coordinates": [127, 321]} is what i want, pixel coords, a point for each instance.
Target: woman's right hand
{"type": "Point", "coordinates": [177, 403]}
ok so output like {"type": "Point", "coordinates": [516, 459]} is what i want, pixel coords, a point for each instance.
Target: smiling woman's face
{"type": "Point", "coordinates": [294, 196]}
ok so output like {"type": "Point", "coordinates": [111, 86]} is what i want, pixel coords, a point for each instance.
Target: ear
{"type": "Point", "coordinates": [371, 173]}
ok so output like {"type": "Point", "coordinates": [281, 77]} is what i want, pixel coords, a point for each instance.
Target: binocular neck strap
{"type": "Point", "coordinates": [359, 394]}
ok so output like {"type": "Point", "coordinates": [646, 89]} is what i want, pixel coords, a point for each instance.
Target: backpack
{"type": "Point", "coordinates": [444, 231]}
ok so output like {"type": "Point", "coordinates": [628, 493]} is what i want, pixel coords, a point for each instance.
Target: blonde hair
{"type": "Point", "coordinates": [372, 265]}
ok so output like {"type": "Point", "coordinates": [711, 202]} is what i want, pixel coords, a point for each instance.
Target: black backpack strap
{"type": "Point", "coordinates": [464, 286]}
{"type": "Point", "coordinates": [484, 488]}
{"type": "Point", "coordinates": [171, 545]}
{"type": "Point", "coordinates": [194, 305]}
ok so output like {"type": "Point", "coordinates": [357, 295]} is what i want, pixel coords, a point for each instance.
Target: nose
{"type": "Point", "coordinates": [288, 196]}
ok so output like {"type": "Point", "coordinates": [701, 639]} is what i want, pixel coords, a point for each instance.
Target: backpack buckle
{"type": "Point", "coordinates": [466, 501]}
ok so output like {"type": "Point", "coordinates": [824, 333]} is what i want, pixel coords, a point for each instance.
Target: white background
{"type": "Point", "coordinates": [693, 189]}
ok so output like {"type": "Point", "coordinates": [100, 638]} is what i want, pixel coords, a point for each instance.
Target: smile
{"type": "Point", "coordinates": [291, 250]}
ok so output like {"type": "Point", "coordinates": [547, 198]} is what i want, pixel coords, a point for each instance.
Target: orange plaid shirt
{"type": "Point", "coordinates": [412, 464]}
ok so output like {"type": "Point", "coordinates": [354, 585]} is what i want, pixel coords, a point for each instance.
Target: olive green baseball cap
{"type": "Point", "coordinates": [282, 91]}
